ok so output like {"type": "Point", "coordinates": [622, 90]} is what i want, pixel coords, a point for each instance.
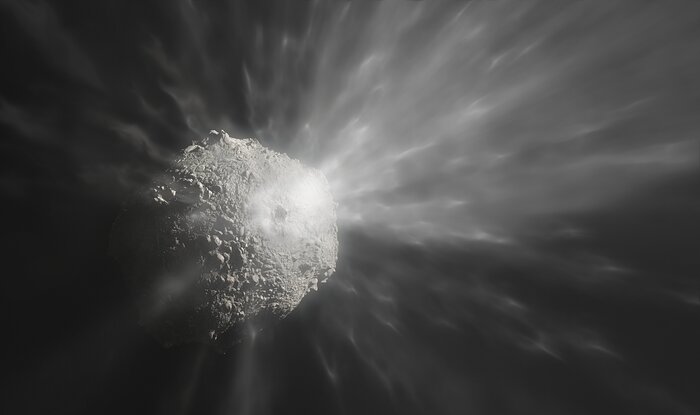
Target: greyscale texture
{"type": "Point", "coordinates": [229, 240]}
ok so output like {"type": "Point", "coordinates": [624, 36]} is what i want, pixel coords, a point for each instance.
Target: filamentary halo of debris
{"type": "Point", "coordinates": [229, 240]}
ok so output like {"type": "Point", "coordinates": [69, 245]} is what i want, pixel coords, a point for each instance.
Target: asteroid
{"type": "Point", "coordinates": [226, 242]}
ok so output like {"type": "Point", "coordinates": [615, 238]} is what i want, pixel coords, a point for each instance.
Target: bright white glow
{"type": "Point", "coordinates": [291, 205]}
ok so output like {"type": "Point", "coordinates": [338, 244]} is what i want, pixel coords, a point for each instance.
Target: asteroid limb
{"type": "Point", "coordinates": [227, 241]}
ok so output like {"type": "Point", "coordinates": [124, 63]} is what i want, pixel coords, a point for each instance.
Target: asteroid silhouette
{"type": "Point", "coordinates": [228, 241]}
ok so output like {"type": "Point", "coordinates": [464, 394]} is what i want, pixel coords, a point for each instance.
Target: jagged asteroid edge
{"type": "Point", "coordinates": [227, 241]}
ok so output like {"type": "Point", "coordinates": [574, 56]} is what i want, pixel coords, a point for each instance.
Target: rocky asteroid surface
{"type": "Point", "coordinates": [229, 240]}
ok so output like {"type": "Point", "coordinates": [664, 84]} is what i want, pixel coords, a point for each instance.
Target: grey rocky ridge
{"type": "Point", "coordinates": [228, 240]}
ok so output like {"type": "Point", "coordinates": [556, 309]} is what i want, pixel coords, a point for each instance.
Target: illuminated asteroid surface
{"type": "Point", "coordinates": [228, 241]}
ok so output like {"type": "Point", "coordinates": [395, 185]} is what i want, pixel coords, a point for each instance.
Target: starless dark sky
{"type": "Point", "coordinates": [96, 97]}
